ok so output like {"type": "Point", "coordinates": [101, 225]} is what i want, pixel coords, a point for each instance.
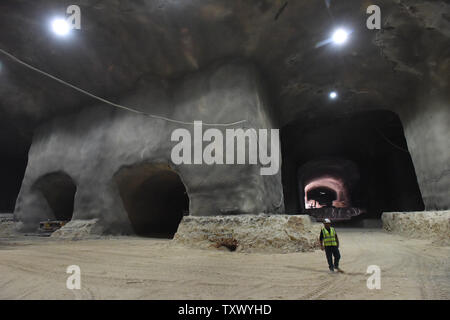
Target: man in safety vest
{"type": "Point", "coordinates": [330, 242]}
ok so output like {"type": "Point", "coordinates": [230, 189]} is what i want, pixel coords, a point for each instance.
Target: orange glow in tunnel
{"type": "Point", "coordinates": [336, 185]}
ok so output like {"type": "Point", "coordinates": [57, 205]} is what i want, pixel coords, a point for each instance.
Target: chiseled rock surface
{"type": "Point", "coordinates": [79, 229]}
{"type": "Point", "coordinates": [250, 233]}
{"type": "Point", "coordinates": [7, 228]}
{"type": "Point", "coordinates": [95, 145]}
{"type": "Point", "coordinates": [434, 225]}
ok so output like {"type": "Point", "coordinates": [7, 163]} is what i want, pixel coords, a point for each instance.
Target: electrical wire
{"type": "Point", "coordinates": [389, 141]}
{"type": "Point", "coordinates": [12, 57]}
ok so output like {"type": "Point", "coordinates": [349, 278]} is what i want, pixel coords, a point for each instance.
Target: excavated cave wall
{"type": "Point", "coordinates": [416, 41]}
{"type": "Point", "coordinates": [94, 145]}
{"type": "Point", "coordinates": [250, 233]}
{"type": "Point", "coordinates": [427, 130]}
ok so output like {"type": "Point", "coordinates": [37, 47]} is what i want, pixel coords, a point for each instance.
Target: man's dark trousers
{"type": "Point", "coordinates": [331, 251]}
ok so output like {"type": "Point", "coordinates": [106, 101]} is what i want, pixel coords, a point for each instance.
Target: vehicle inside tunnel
{"type": "Point", "coordinates": [59, 190]}
{"type": "Point", "coordinates": [154, 197]}
{"type": "Point", "coordinates": [329, 171]}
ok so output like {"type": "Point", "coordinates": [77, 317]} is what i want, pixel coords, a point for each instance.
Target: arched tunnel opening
{"type": "Point", "coordinates": [363, 158]}
{"type": "Point", "coordinates": [154, 197]}
{"type": "Point", "coordinates": [329, 188]}
{"type": "Point", "coordinates": [59, 190]}
{"type": "Point", "coordinates": [320, 197]}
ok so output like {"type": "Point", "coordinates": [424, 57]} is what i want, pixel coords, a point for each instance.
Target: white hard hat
{"type": "Point", "coordinates": [326, 220]}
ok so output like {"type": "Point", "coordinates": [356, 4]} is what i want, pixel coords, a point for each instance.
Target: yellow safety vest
{"type": "Point", "coordinates": [329, 238]}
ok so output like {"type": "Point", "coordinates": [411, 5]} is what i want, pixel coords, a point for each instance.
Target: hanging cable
{"type": "Point", "coordinates": [109, 102]}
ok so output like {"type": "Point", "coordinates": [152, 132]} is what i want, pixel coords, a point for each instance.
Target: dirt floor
{"type": "Point", "coordinates": [140, 268]}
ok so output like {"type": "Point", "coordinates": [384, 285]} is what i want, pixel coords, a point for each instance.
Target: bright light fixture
{"type": "Point", "coordinates": [333, 95]}
{"type": "Point", "coordinates": [340, 36]}
{"type": "Point", "coordinates": [60, 27]}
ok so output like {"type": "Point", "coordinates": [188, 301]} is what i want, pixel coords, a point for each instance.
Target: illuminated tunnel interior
{"type": "Point", "coordinates": [154, 197]}
{"type": "Point", "coordinates": [330, 171]}
{"type": "Point", "coordinates": [327, 186]}
{"type": "Point", "coordinates": [320, 197]}
{"type": "Point", "coordinates": [59, 190]}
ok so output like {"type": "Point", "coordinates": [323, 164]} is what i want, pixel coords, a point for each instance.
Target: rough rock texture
{"type": "Point", "coordinates": [417, 42]}
{"type": "Point", "coordinates": [428, 134]}
{"type": "Point", "coordinates": [171, 38]}
{"type": "Point", "coordinates": [93, 146]}
{"type": "Point", "coordinates": [79, 229]}
{"type": "Point", "coordinates": [251, 233]}
{"type": "Point", "coordinates": [7, 227]}
{"type": "Point", "coordinates": [404, 68]}
{"type": "Point", "coordinates": [434, 225]}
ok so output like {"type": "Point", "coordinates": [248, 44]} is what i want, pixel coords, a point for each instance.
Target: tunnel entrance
{"type": "Point", "coordinates": [328, 187]}
{"type": "Point", "coordinates": [321, 197]}
{"type": "Point", "coordinates": [59, 190]}
{"type": "Point", "coordinates": [154, 197]}
{"type": "Point", "coordinates": [363, 157]}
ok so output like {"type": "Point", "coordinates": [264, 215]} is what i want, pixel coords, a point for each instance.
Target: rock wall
{"type": "Point", "coordinates": [250, 233]}
{"type": "Point", "coordinates": [424, 39]}
{"type": "Point", "coordinates": [427, 130]}
{"type": "Point", "coordinates": [434, 225]}
{"type": "Point", "coordinates": [6, 225]}
{"type": "Point", "coordinates": [78, 229]}
{"type": "Point", "coordinates": [92, 146]}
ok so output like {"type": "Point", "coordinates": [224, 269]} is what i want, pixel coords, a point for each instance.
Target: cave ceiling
{"type": "Point", "coordinates": [121, 42]}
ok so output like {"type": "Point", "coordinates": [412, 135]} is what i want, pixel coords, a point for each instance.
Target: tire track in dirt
{"type": "Point", "coordinates": [129, 268]}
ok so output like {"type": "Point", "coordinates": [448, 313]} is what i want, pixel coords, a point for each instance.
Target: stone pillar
{"type": "Point", "coordinates": [427, 131]}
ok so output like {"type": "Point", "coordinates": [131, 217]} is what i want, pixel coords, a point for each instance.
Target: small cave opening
{"type": "Point", "coordinates": [58, 189]}
{"type": "Point", "coordinates": [320, 197]}
{"type": "Point", "coordinates": [154, 197]}
{"type": "Point", "coordinates": [363, 157]}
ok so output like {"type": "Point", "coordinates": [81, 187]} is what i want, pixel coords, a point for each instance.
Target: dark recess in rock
{"type": "Point", "coordinates": [59, 190]}
{"type": "Point", "coordinates": [382, 177]}
{"type": "Point", "coordinates": [154, 197]}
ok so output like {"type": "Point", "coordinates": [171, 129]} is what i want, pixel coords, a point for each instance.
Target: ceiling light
{"type": "Point", "coordinates": [333, 95]}
{"type": "Point", "coordinates": [340, 36]}
{"type": "Point", "coordinates": [60, 27]}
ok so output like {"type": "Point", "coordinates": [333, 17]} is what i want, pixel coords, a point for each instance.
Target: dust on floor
{"type": "Point", "coordinates": [140, 268]}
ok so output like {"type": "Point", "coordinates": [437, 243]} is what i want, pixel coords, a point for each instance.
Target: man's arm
{"type": "Point", "coordinates": [337, 240]}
